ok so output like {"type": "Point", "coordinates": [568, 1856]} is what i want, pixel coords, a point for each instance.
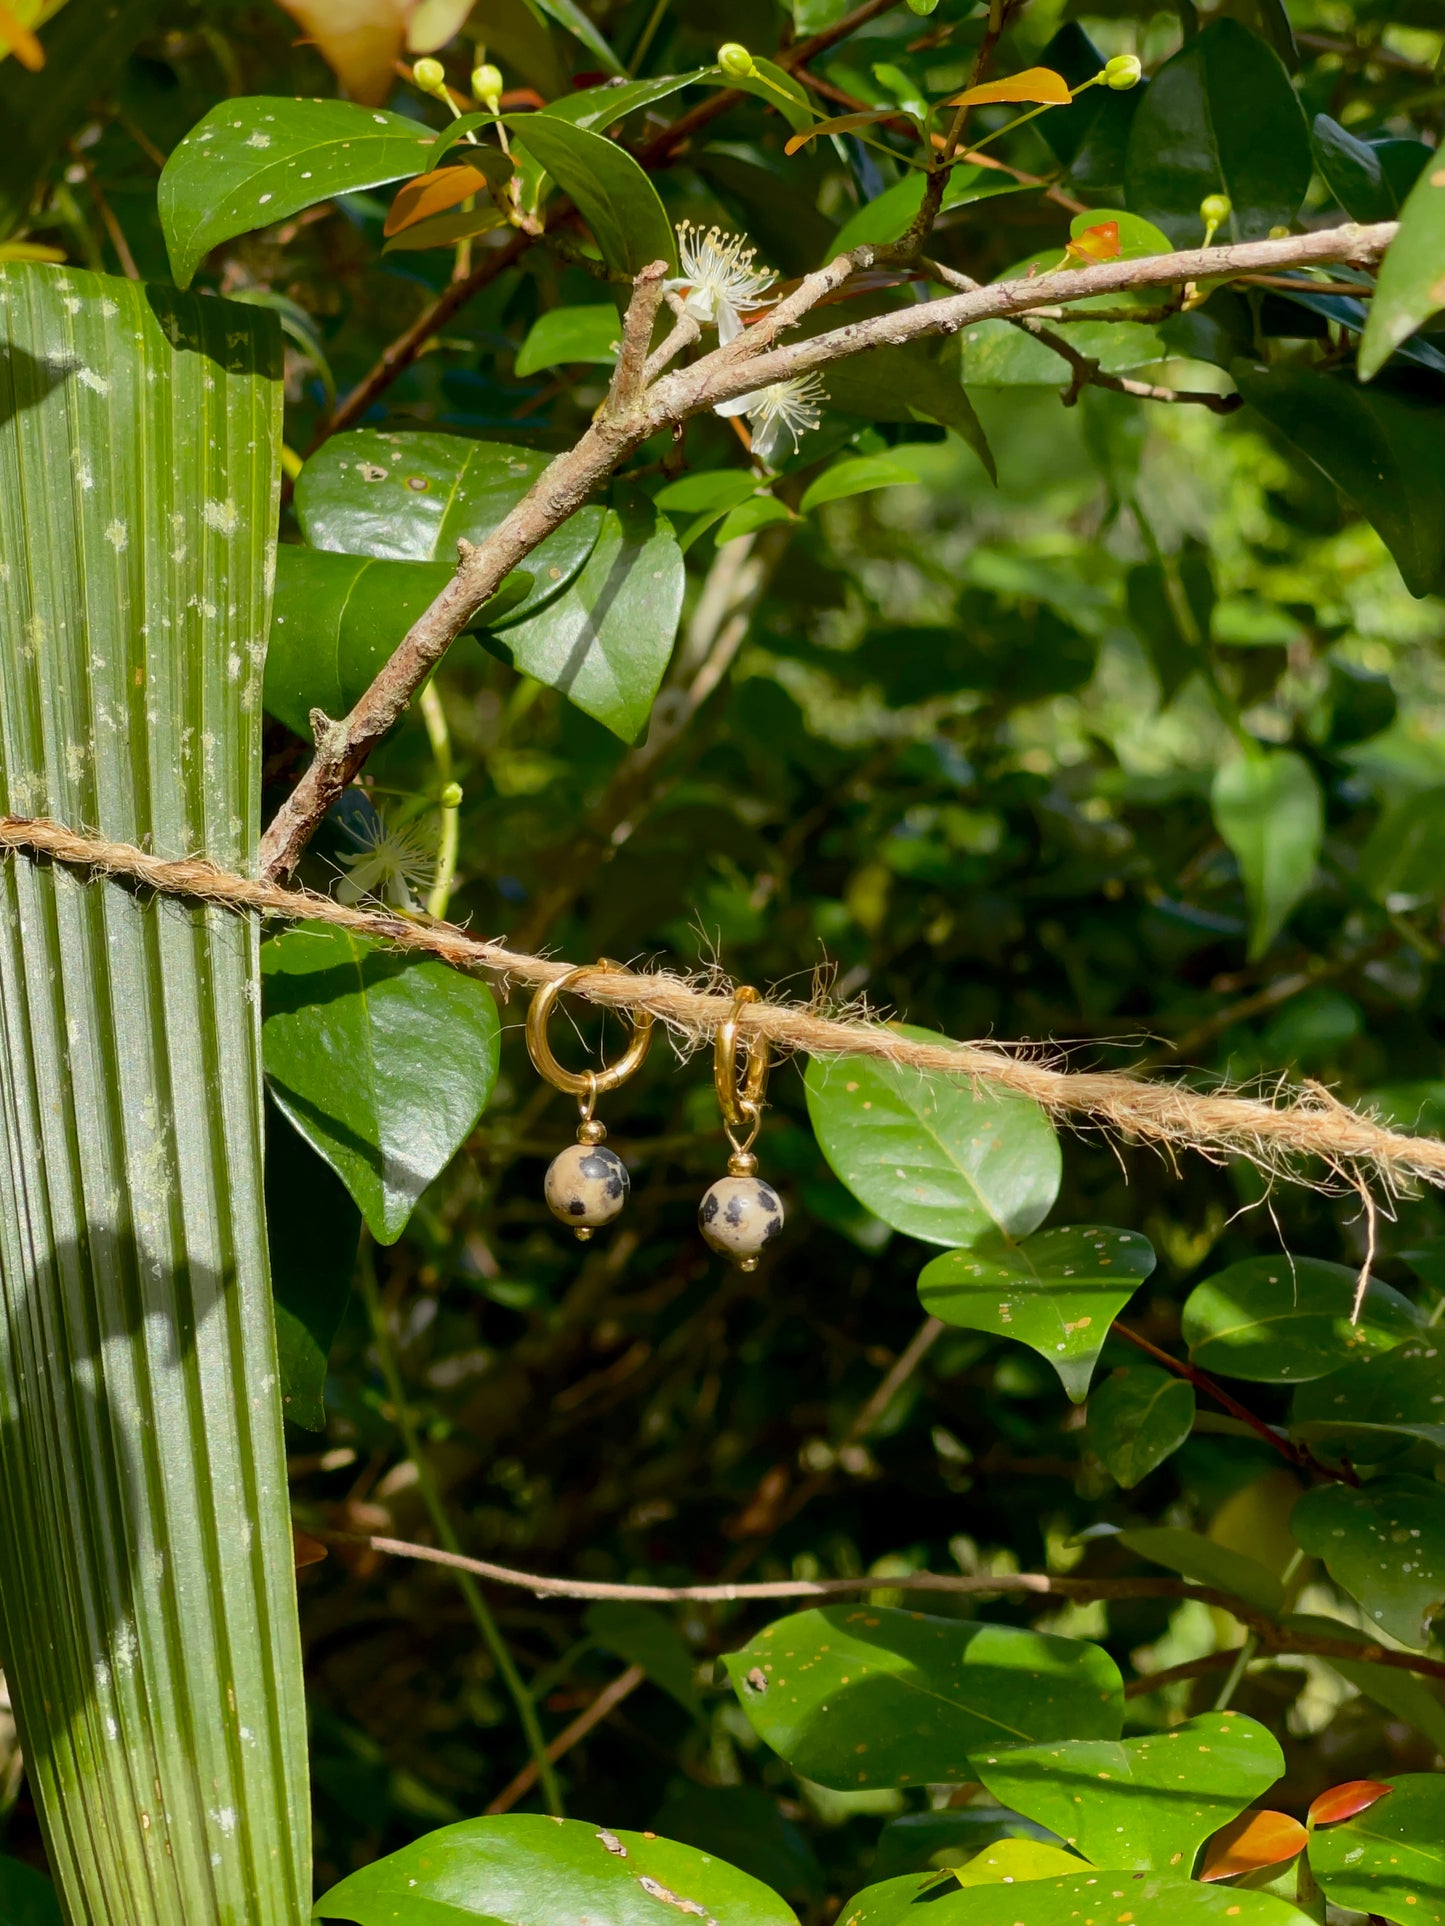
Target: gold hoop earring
{"type": "Point", "coordinates": [587, 1184]}
{"type": "Point", "coordinates": [740, 1214]}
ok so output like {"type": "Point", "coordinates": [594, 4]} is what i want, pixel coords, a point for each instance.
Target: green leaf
{"type": "Point", "coordinates": [903, 384]}
{"type": "Point", "coordinates": [776, 86]}
{"type": "Point", "coordinates": [1390, 1859]}
{"type": "Point", "coordinates": [1401, 856]}
{"type": "Point", "coordinates": [1220, 117]}
{"type": "Point", "coordinates": [312, 1230]}
{"type": "Point", "coordinates": [602, 107]}
{"type": "Point", "coordinates": [27, 1897]}
{"type": "Point", "coordinates": [743, 1825]}
{"type": "Point", "coordinates": [617, 200]}
{"type": "Point", "coordinates": [526, 1870]}
{"type": "Point", "coordinates": [1269, 811]}
{"type": "Point", "coordinates": [605, 642]}
{"type": "Point", "coordinates": [84, 49]}
{"type": "Point", "coordinates": [1394, 1691]}
{"type": "Point", "coordinates": [338, 618]}
{"type": "Point", "coordinates": [1384, 452]}
{"type": "Point", "coordinates": [1357, 1410]}
{"type": "Point", "coordinates": [717, 488]}
{"type": "Point", "coordinates": [1149, 1899]}
{"type": "Point", "coordinates": [888, 215]}
{"type": "Point", "coordinates": [641, 1635]}
{"type": "Point", "coordinates": [1141, 1805]}
{"type": "Point", "coordinates": [1057, 1291]}
{"type": "Point", "coordinates": [145, 1537]}
{"type": "Point", "coordinates": [1139, 239]}
{"type": "Point", "coordinates": [930, 1155]}
{"type": "Point", "coordinates": [856, 476]}
{"type": "Point", "coordinates": [256, 160]}
{"type": "Point", "coordinates": [1371, 179]}
{"type": "Point", "coordinates": [1385, 1545]}
{"type": "Point", "coordinates": [382, 1062]}
{"type": "Point", "coordinates": [758, 511]}
{"type": "Point", "coordinates": [1411, 282]}
{"type": "Point", "coordinates": [998, 355]}
{"type": "Point", "coordinates": [856, 1696]}
{"type": "Point", "coordinates": [1138, 1417]}
{"type": "Point", "coordinates": [412, 496]}
{"type": "Point", "coordinates": [568, 14]}
{"type": "Point", "coordinates": [935, 1841]}
{"type": "Point", "coordinates": [1196, 1557]}
{"type": "Point", "coordinates": [1285, 1320]}
{"type": "Point", "coordinates": [566, 335]}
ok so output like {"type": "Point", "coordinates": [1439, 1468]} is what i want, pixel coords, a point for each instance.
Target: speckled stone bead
{"type": "Point", "coordinates": [738, 1216]}
{"type": "Point", "coordinates": [586, 1186]}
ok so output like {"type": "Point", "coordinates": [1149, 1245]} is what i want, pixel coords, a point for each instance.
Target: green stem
{"type": "Point", "coordinates": [431, 1497]}
{"type": "Point", "coordinates": [439, 736]}
{"type": "Point", "coordinates": [1236, 1672]}
{"type": "Point", "coordinates": [644, 39]}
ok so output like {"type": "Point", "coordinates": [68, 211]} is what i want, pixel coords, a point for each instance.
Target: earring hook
{"type": "Point", "coordinates": [587, 1085]}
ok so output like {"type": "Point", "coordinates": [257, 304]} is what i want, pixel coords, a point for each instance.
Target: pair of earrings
{"type": "Point", "coordinates": [587, 1184]}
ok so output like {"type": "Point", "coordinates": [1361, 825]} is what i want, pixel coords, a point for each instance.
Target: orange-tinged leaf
{"type": "Point", "coordinates": [840, 124]}
{"type": "Point", "coordinates": [1343, 1802]}
{"type": "Point", "coordinates": [417, 200]}
{"type": "Point", "coordinates": [445, 230]}
{"type": "Point", "coordinates": [1252, 1840]}
{"type": "Point", "coordinates": [1099, 243]}
{"type": "Point", "coordinates": [1038, 84]}
{"type": "Point", "coordinates": [18, 39]}
{"type": "Point", "coordinates": [360, 40]}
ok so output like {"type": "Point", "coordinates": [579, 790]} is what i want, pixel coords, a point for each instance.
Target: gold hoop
{"type": "Point", "coordinates": [741, 1109]}
{"type": "Point", "coordinates": [587, 1084]}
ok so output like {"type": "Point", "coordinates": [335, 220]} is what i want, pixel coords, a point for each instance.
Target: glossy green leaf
{"type": "Point", "coordinates": [888, 215]}
{"type": "Point", "coordinates": [717, 488]}
{"type": "Point", "coordinates": [338, 618]}
{"type": "Point", "coordinates": [522, 1869]}
{"type": "Point", "coordinates": [936, 1841]}
{"type": "Point", "coordinates": [1138, 239]}
{"type": "Point", "coordinates": [930, 1155]}
{"type": "Point", "coordinates": [568, 14]}
{"type": "Point", "coordinates": [1390, 1859]}
{"type": "Point", "coordinates": [1371, 179]}
{"type": "Point", "coordinates": [642, 1635]}
{"type": "Point", "coordinates": [258, 159]}
{"type": "Point", "coordinates": [1381, 450]}
{"type": "Point", "coordinates": [1416, 1701]}
{"type": "Point", "coordinates": [27, 1897]}
{"type": "Point", "coordinates": [1196, 1557]}
{"type": "Point", "coordinates": [1015, 1861]}
{"type": "Point", "coordinates": [312, 1230]}
{"type": "Point", "coordinates": [1220, 117]}
{"type": "Point", "coordinates": [854, 1696]}
{"type": "Point", "coordinates": [563, 336]}
{"type": "Point", "coordinates": [1138, 1417]}
{"type": "Point", "coordinates": [1410, 286]}
{"type": "Point", "coordinates": [745, 1826]}
{"type": "Point", "coordinates": [1385, 1545]}
{"type": "Point", "coordinates": [1057, 1291]}
{"type": "Point", "coordinates": [1149, 1899]}
{"type": "Point", "coordinates": [779, 89]}
{"type": "Point", "coordinates": [1269, 811]}
{"type": "Point", "coordinates": [1283, 1320]}
{"type": "Point", "coordinates": [758, 511]}
{"type": "Point", "coordinates": [1357, 1410]}
{"type": "Point", "coordinates": [383, 1062]}
{"type": "Point", "coordinates": [602, 107]}
{"type": "Point", "coordinates": [411, 496]}
{"type": "Point", "coordinates": [605, 642]}
{"type": "Point", "coordinates": [857, 475]}
{"type": "Point", "coordinates": [84, 48]}
{"type": "Point", "coordinates": [1401, 856]}
{"type": "Point", "coordinates": [145, 1536]}
{"type": "Point", "coordinates": [617, 200]}
{"type": "Point", "coordinates": [905, 384]}
{"type": "Point", "coordinates": [998, 355]}
{"type": "Point", "coordinates": [1142, 1805]}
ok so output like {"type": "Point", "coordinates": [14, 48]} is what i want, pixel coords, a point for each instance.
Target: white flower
{"type": "Point", "coordinates": [719, 283]}
{"type": "Point", "coordinates": [388, 864]}
{"type": "Point", "coordinates": [786, 408]}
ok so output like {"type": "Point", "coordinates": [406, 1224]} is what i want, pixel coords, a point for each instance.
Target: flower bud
{"type": "Point", "coordinates": [430, 77]}
{"type": "Point", "coordinates": [487, 85]}
{"type": "Point", "coordinates": [1215, 209]}
{"type": "Point", "coordinates": [451, 796]}
{"type": "Point", "coordinates": [1279, 233]}
{"type": "Point", "coordinates": [735, 59]}
{"type": "Point", "coordinates": [1123, 71]}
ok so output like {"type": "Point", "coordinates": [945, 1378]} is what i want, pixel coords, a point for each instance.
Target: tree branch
{"type": "Point", "coordinates": [745, 364]}
{"type": "Point", "coordinates": [630, 374]}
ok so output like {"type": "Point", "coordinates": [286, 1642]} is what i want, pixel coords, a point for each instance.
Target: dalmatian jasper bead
{"type": "Point", "coordinates": [586, 1186]}
{"type": "Point", "coordinates": [738, 1216]}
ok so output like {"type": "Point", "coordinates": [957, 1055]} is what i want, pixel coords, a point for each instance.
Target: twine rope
{"type": "Point", "coordinates": [1295, 1124]}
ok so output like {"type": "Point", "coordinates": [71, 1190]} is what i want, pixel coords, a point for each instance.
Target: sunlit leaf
{"type": "Point", "coordinates": [1254, 1840]}
{"type": "Point", "coordinates": [1411, 283]}
{"type": "Point", "coordinates": [1286, 1320]}
{"type": "Point", "coordinates": [1389, 1860]}
{"type": "Point", "coordinates": [1269, 810]}
{"type": "Point", "coordinates": [360, 40]}
{"type": "Point", "coordinates": [1194, 1556]}
{"type": "Point", "coordinates": [1100, 243]}
{"type": "Point", "coordinates": [1040, 84]}
{"type": "Point", "coordinates": [620, 203]}
{"type": "Point", "coordinates": [432, 194]}
{"type": "Point", "coordinates": [564, 336]}
{"type": "Point", "coordinates": [1150, 1899]}
{"type": "Point", "coordinates": [1385, 1545]}
{"type": "Point", "coordinates": [1344, 1801]}
{"type": "Point", "coordinates": [1138, 1417]}
{"type": "Point", "coordinates": [839, 124]}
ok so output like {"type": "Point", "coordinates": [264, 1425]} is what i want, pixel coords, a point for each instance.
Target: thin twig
{"type": "Point", "coordinates": [630, 374]}
{"type": "Point", "coordinates": [607, 1700]}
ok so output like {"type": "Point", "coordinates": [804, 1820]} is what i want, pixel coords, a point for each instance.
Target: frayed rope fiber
{"type": "Point", "coordinates": [1299, 1123]}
